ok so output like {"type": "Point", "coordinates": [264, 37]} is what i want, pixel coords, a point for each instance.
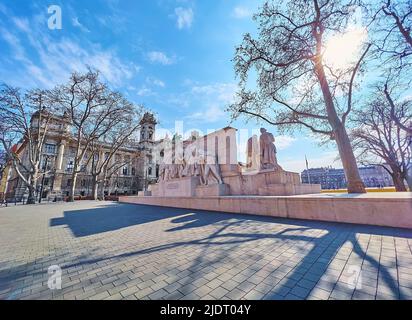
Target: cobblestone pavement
{"type": "Point", "coordinates": [121, 251]}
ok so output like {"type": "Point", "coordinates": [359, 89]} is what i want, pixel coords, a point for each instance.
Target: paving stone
{"type": "Point", "coordinates": [136, 252]}
{"type": "Point", "coordinates": [235, 294]}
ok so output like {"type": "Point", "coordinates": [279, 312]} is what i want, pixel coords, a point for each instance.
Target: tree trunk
{"type": "Point", "coordinates": [398, 181]}
{"type": "Point", "coordinates": [95, 187]}
{"type": "Point", "coordinates": [103, 185]}
{"type": "Point", "coordinates": [31, 199]}
{"type": "Point", "coordinates": [73, 187]}
{"type": "Point", "coordinates": [355, 184]}
{"type": "Point", "coordinates": [409, 180]}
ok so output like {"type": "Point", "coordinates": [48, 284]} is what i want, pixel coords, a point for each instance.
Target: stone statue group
{"type": "Point", "coordinates": [193, 162]}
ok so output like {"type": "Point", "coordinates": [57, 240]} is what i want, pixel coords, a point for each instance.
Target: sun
{"type": "Point", "coordinates": [341, 51]}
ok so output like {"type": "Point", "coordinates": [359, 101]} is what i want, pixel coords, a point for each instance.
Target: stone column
{"type": "Point", "coordinates": [60, 153]}
{"type": "Point", "coordinates": [58, 173]}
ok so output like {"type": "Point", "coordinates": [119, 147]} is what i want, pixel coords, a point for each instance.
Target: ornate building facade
{"type": "Point", "coordinates": [135, 166]}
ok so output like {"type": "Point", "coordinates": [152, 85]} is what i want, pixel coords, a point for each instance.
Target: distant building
{"type": "Point", "coordinates": [141, 161]}
{"type": "Point", "coordinates": [331, 178]}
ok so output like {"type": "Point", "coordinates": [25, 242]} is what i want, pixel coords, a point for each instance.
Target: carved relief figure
{"type": "Point", "coordinates": [208, 168]}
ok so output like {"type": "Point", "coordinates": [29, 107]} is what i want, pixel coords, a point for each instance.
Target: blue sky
{"type": "Point", "coordinates": [172, 55]}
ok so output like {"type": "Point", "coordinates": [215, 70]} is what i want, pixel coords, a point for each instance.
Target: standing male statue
{"type": "Point", "coordinates": [267, 151]}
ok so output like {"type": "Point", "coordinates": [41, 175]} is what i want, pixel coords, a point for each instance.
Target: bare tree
{"type": "Point", "coordinates": [394, 27]}
{"type": "Point", "coordinates": [392, 105]}
{"type": "Point", "coordinates": [25, 119]}
{"type": "Point", "coordinates": [93, 109]}
{"type": "Point", "coordinates": [295, 85]}
{"type": "Point", "coordinates": [117, 137]}
{"type": "Point", "coordinates": [381, 141]}
{"type": "Point", "coordinates": [393, 45]}
{"type": "Point", "coordinates": [111, 174]}
{"type": "Point", "coordinates": [3, 162]}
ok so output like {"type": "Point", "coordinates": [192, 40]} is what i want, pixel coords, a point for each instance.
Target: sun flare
{"type": "Point", "coordinates": [342, 50]}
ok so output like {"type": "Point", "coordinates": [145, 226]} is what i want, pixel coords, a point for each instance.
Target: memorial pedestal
{"type": "Point", "coordinates": [182, 187]}
{"type": "Point", "coordinates": [144, 193]}
{"type": "Point", "coordinates": [214, 190]}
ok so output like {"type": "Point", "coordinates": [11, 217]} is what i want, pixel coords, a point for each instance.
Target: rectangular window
{"type": "Point", "coordinates": [70, 165]}
{"type": "Point", "coordinates": [69, 182]}
{"type": "Point", "coordinates": [46, 163]}
{"type": "Point", "coordinates": [125, 171]}
{"type": "Point", "coordinates": [50, 148]}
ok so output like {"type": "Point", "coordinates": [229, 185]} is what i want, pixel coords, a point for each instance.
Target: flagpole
{"type": "Point", "coordinates": [307, 169]}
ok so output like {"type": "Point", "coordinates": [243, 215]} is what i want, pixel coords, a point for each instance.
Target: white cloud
{"type": "Point", "coordinates": [210, 101]}
{"type": "Point", "coordinates": [144, 91]}
{"type": "Point", "coordinates": [184, 17]}
{"type": "Point", "coordinates": [223, 92]}
{"type": "Point", "coordinates": [56, 59]}
{"type": "Point", "coordinates": [22, 24]}
{"type": "Point", "coordinates": [240, 12]}
{"type": "Point", "coordinates": [155, 82]}
{"type": "Point", "coordinates": [212, 113]}
{"type": "Point", "coordinates": [159, 57]}
{"type": "Point", "coordinates": [76, 23]}
{"type": "Point", "coordinates": [284, 142]}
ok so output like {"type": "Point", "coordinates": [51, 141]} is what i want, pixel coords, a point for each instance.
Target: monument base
{"type": "Point", "coordinates": [182, 187]}
{"type": "Point", "coordinates": [144, 193]}
{"type": "Point", "coordinates": [213, 190]}
{"type": "Point", "coordinates": [382, 208]}
{"type": "Point", "coordinates": [289, 189]}
{"type": "Point", "coordinates": [263, 183]}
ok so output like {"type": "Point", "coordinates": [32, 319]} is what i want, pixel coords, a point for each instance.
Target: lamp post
{"type": "Point", "coordinates": [47, 157]}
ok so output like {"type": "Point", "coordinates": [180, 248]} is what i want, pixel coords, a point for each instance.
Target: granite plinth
{"type": "Point", "coordinates": [213, 190]}
{"type": "Point", "coordinates": [267, 182]}
{"type": "Point", "coordinates": [182, 187]}
{"type": "Point", "coordinates": [383, 209]}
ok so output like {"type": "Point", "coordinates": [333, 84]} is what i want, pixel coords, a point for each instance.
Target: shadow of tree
{"type": "Point", "coordinates": [317, 243]}
{"type": "Point", "coordinates": [315, 262]}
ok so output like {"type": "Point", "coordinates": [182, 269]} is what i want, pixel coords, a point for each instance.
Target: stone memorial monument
{"type": "Point", "coordinates": [207, 166]}
{"type": "Point", "coordinates": [203, 173]}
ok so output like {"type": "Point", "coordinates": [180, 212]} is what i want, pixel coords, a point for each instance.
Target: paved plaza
{"type": "Point", "coordinates": [109, 250]}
